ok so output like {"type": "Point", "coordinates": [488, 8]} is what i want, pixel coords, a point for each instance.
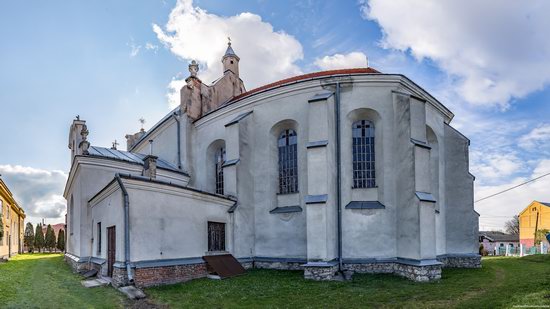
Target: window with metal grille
{"type": "Point", "coordinates": [363, 154]}
{"type": "Point", "coordinates": [216, 236]}
{"type": "Point", "coordinates": [220, 159]}
{"type": "Point", "coordinates": [71, 215]}
{"type": "Point", "coordinates": [99, 238]}
{"type": "Point", "coordinates": [288, 162]}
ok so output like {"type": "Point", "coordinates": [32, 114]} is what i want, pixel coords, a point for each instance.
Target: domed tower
{"type": "Point", "coordinates": [230, 60]}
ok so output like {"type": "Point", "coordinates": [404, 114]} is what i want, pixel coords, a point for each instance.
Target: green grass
{"type": "Point", "coordinates": [46, 281]}
{"type": "Point", "coordinates": [501, 283]}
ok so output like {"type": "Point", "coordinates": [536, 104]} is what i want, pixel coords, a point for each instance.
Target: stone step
{"type": "Point", "coordinates": [132, 292]}
{"type": "Point", "coordinates": [92, 283]}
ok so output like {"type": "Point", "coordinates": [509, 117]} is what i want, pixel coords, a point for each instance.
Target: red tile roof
{"type": "Point", "coordinates": [304, 77]}
{"type": "Point", "coordinates": [56, 228]}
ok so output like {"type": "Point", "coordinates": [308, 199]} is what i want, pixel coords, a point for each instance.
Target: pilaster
{"type": "Point", "coordinates": [320, 200]}
{"type": "Point", "coordinates": [416, 213]}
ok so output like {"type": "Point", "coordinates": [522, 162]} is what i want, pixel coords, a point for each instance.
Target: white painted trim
{"type": "Point", "coordinates": [108, 191]}
{"type": "Point", "coordinates": [141, 185]}
{"type": "Point", "coordinates": [156, 132]}
{"type": "Point", "coordinates": [118, 166]}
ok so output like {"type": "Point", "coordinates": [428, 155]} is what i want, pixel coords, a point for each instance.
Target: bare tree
{"type": "Point", "coordinates": [512, 226]}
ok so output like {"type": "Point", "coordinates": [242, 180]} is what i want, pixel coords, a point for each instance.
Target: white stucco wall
{"type": "Point", "coordinates": [405, 228]}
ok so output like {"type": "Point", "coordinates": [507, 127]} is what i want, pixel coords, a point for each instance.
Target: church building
{"type": "Point", "coordinates": [349, 170]}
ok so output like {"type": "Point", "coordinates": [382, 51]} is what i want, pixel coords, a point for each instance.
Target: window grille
{"type": "Point", "coordinates": [220, 159]}
{"type": "Point", "coordinates": [216, 236]}
{"type": "Point", "coordinates": [363, 154]}
{"type": "Point", "coordinates": [99, 238]}
{"type": "Point", "coordinates": [288, 162]}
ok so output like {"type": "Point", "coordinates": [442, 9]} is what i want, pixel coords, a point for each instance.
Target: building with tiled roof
{"type": "Point", "coordinates": [332, 171]}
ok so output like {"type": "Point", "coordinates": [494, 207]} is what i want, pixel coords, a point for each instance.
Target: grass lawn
{"type": "Point", "coordinates": [502, 282]}
{"type": "Point", "coordinates": [45, 281]}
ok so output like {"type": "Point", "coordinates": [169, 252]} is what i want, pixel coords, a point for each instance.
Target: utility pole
{"type": "Point", "coordinates": [536, 228]}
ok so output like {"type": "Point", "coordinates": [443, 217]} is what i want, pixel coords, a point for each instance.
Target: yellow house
{"type": "Point", "coordinates": [13, 219]}
{"type": "Point", "coordinates": [536, 216]}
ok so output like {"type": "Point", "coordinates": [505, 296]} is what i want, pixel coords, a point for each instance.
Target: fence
{"type": "Point", "coordinates": [522, 250]}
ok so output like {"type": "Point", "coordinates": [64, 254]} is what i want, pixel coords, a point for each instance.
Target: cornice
{"type": "Point", "coordinates": [310, 84]}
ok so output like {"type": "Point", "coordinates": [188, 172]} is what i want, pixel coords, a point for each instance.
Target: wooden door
{"type": "Point", "coordinates": [111, 249]}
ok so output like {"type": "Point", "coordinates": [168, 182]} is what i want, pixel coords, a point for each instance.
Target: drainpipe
{"type": "Point", "coordinates": [338, 175]}
{"type": "Point", "coordinates": [176, 117]}
{"type": "Point", "coordinates": [126, 229]}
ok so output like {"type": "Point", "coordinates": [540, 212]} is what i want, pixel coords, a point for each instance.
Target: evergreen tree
{"type": "Point", "coordinates": [61, 240]}
{"type": "Point", "coordinates": [28, 237]}
{"type": "Point", "coordinates": [39, 238]}
{"type": "Point", "coordinates": [49, 241]}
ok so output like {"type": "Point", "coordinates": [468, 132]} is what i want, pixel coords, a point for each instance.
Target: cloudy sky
{"type": "Point", "coordinates": [117, 61]}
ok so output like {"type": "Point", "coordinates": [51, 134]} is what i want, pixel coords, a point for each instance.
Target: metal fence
{"type": "Point", "coordinates": [521, 250]}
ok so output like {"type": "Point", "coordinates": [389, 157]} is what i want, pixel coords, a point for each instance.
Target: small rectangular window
{"type": "Point", "coordinates": [99, 238]}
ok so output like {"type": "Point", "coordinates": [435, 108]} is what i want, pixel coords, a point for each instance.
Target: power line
{"type": "Point", "coordinates": [516, 186]}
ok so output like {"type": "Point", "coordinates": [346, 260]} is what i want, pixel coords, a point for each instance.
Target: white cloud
{"type": "Point", "coordinates": [499, 209]}
{"type": "Point", "coordinates": [495, 166]}
{"type": "Point", "coordinates": [194, 34]}
{"type": "Point", "coordinates": [152, 47]}
{"type": "Point", "coordinates": [538, 137]}
{"type": "Point", "coordinates": [340, 61]}
{"type": "Point", "coordinates": [37, 191]}
{"type": "Point", "coordinates": [173, 94]}
{"type": "Point", "coordinates": [493, 50]}
{"type": "Point", "coordinates": [134, 48]}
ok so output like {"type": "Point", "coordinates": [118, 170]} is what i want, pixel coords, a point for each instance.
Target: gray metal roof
{"type": "Point", "coordinates": [499, 236]}
{"type": "Point", "coordinates": [229, 51]}
{"type": "Point", "coordinates": [286, 209]}
{"type": "Point", "coordinates": [365, 205]}
{"type": "Point", "coordinates": [128, 157]}
{"type": "Point", "coordinates": [545, 203]}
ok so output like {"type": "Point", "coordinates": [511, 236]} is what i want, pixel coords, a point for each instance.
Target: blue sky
{"type": "Point", "coordinates": [117, 61]}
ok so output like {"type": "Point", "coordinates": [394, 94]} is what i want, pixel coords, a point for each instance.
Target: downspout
{"type": "Point", "coordinates": [126, 229]}
{"type": "Point", "coordinates": [338, 175]}
{"type": "Point", "coordinates": [176, 117]}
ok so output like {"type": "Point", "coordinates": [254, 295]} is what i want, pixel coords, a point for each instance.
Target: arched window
{"type": "Point", "coordinates": [363, 154]}
{"type": "Point", "coordinates": [220, 159]}
{"type": "Point", "coordinates": [288, 162]}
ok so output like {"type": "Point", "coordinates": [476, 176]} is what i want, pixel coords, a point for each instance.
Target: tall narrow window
{"type": "Point", "coordinates": [99, 238]}
{"type": "Point", "coordinates": [71, 215]}
{"type": "Point", "coordinates": [363, 154]}
{"type": "Point", "coordinates": [288, 162]}
{"type": "Point", "coordinates": [220, 159]}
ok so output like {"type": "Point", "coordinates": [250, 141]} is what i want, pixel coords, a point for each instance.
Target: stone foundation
{"type": "Point", "coordinates": [120, 277]}
{"type": "Point", "coordinates": [279, 265]}
{"type": "Point", "coordinates": [319, 272]}
{"type": "Point", "coordinates": [418, 273]}
{"type": "Point", "coordinates": [461, 261]}
{"type": "Point", "coordinates": [371, 268]}
{"type": "Point", "coordinates": [75, 263]}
